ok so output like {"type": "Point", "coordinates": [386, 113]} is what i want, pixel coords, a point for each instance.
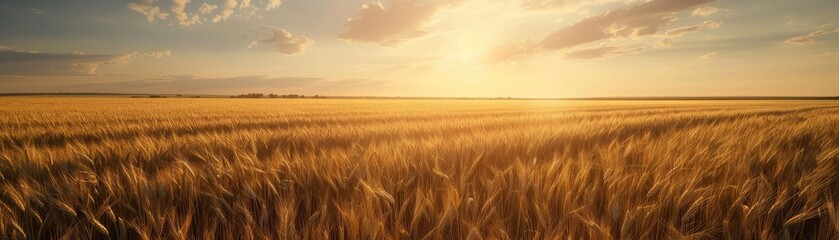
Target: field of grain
{"type": "Point", "coordinates": [417, 169]}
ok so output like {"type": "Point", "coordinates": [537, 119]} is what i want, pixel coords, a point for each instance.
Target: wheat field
{"type": "Point", "coordinates": [98, 168]}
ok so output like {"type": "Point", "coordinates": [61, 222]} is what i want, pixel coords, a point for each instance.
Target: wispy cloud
{"type": "Point", "coordinates": [36, 63]}
{"type": "Point", "coordinates": [161, 54]}
{"type": "Point", "coordinates": [352, 83]}
{"type": "Point", "coordinates": [207, 8]}
{"type": "Point", "coordinates": [37, 11]}
{"type": "Point", "coordinates": [601, 52]}
{"type": "Point", "coordinates": [669, 36]}
{"type": "Point", "coordinates": [806, 39]}
{"type": "Point", "coordinates": [694, 28]}
{"type": "Point", "coordinates": [709, 56]}
{"type": "Point", "coordinates": [20, 62]}
{"type": "Point", "coordinates": [639, 20]}
{"type": "Point", "coordinates": [564, 4]}
{"type": "Point", "coordinates": [704, 11]}
{"type": "Point", "coordinates": [224, 85]}
{"type": "Point", "coordinates": [546, 4]}
{"type": "Point", "coordinates": [198, 83]}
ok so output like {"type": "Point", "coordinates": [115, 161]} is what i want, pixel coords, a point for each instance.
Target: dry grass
{"type": "Point", "coordinates": [368, 169]}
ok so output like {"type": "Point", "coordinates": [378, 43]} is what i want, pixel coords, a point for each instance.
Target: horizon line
{"type": "Point", "coordinates": [719, 97]}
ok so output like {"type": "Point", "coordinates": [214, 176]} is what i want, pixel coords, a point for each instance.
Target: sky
{"type": "Point", "coordinates": [425, 48]}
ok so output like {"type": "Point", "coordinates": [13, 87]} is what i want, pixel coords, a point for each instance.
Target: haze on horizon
{"type": "Point", "coordinates": [458, 48]}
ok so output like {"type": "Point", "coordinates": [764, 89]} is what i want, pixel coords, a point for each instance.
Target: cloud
{"type": "Point", "coordinates": [178, 7]}
{"type": "Point", "coordinates": [670, 35]}
{"type": "Point", "coordinates": [643, 19]}
{"type": "Point", "coordinates": [704, 11]}
{"type": "Point", "coordinates": [19, 62]}
{"type": "Point", "coordinates": [120, 59]}
{"type": "Point", "coordinates": [197, 83]}
{"type": "Point", "coordinates": [162, 54]}
{"type": "Point", "coordinates": [806, 39]}
{"type": "Point", "coordinates": [147, 7]}
{"type": "Point", "coordinates": [709, 56]}
{"type": "Point", "coordinates": [666, 42]}
{"type": "Point", "coordinates": [509, 51]}
{"type": "Point", "coordinates": [284, 42]}
{"type": "Point", "coordinates": [831, 54]}
{"type": "Point", "coordinates": [207, 8]}
{"type": "Point", "coordinates": [4, 47]}
{"type": "Point", "coordinates": [639, 20]}
{"type": "Point", "coordinates": [229, 8]}
{"type": "Point", "coordinates": [37, 11]}
{"type": "Point", "coordinates": [272, 4]}
{"type": "Point", "coordinates": [402, 21]}
{"type": "Point", "coordinates": [351, 83]}
{"type": "Point", "coordinates": [601, 52]}
{"type": "Point", "coordinates": [564, 4]}
{"type": "Point", "coordinates": [546, 4]}
{"type": "Point", "coordinates": [692, 29]}
{"type": "Point", "coordinates": [69, 64]}
{"type": "Point", "coordinates": [179, 10]}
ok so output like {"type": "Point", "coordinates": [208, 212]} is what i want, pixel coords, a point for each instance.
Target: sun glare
{"type": "Point", "coordinates": [470, 48]}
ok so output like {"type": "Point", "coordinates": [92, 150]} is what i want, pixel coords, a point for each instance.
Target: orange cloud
{"type": "Point", "coordinates": [639, 20]}
{"type": "Point", "coordinates": [285, 42]}
{"type": "Point", "coordinates": [396, 24]}
{"type": "Point", "coordinates": [601, 52]}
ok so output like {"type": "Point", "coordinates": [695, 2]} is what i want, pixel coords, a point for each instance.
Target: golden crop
{"type": "Point", "coordinates": [417, 169]}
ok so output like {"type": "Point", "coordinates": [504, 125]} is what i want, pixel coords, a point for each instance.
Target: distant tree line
{"type": "Point", "coordinates": [260, 95]}
{"type": "Point", "coordinates": [164, 96]}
